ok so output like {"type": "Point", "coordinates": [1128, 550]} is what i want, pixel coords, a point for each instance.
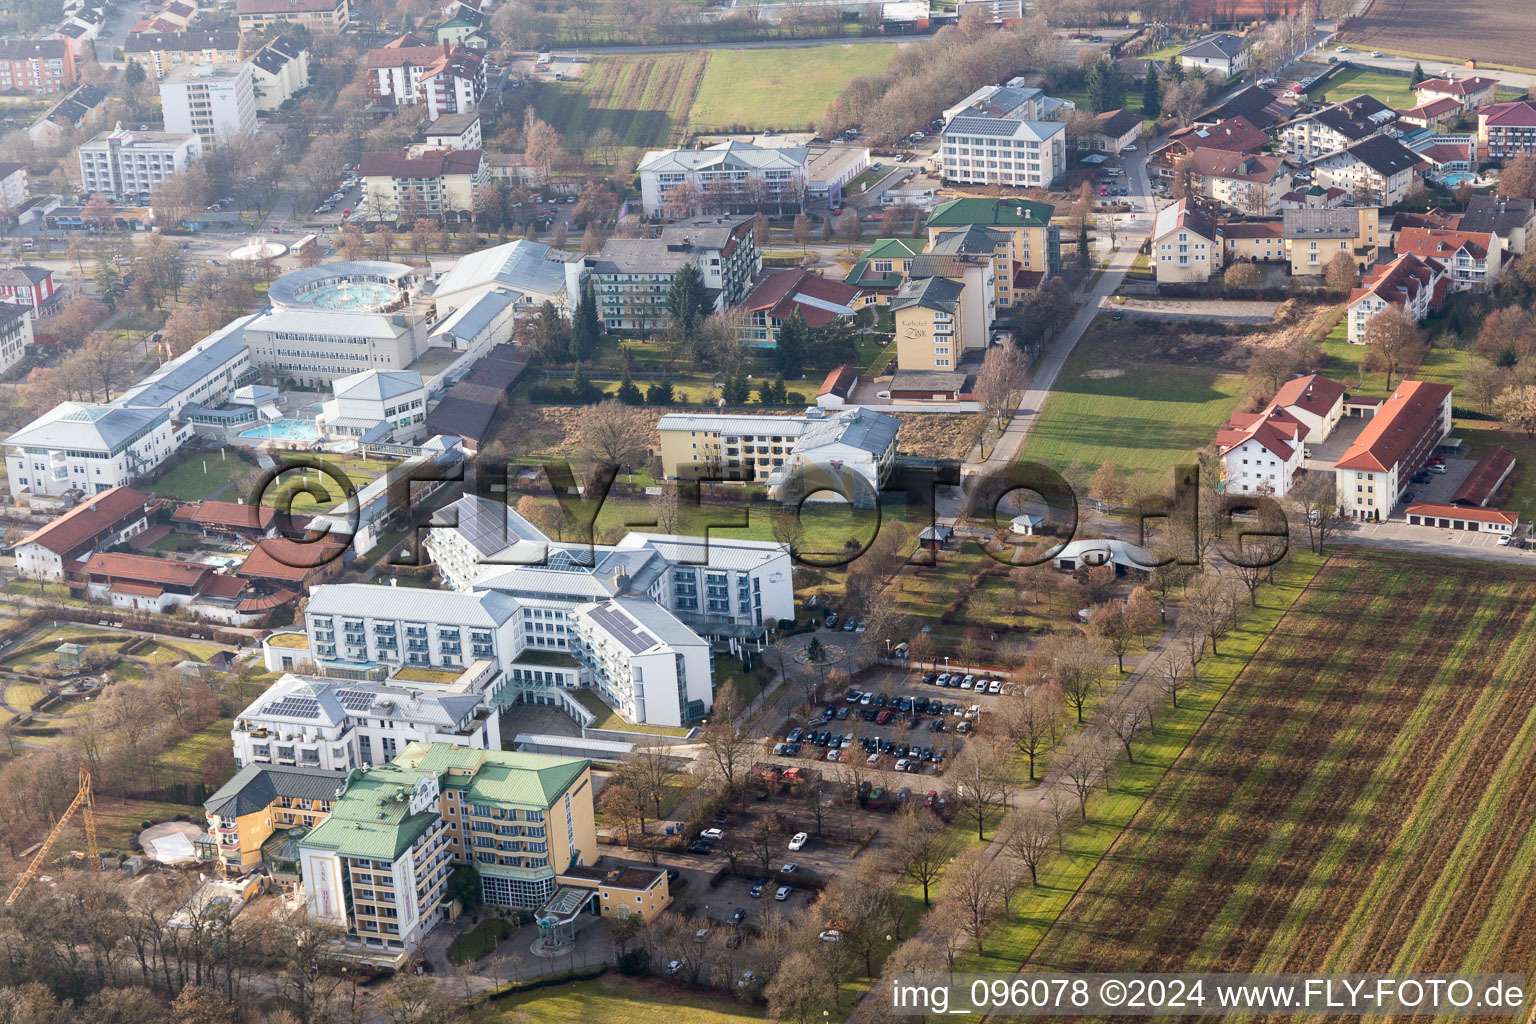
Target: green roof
{"type": "Point", "coordinates": [999, 213]}
{"type": "Point", "coordinates": [883, 249]}
{"type": "Point", "coordinates": [372, 818]}
{"type": "Point", "coordinates": [504, 776]}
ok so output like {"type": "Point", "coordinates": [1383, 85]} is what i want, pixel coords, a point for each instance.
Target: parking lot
{"type": "Point", "coordinates": [895, 711]}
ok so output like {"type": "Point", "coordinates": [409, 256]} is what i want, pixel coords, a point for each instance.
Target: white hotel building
{"type": "Point", "coordinates": [123, 163]}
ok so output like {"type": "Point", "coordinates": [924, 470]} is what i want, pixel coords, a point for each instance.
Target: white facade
{"type": "Point", "coordinates": [379, 404]}
{"type": "Point", "coordinates": [123, 163]}
{"type": "Point", "coordinates": [216, 102]}
{"type": "Point", "coordinates": [728, 177]}
{"type": "Point", "coordinates": [1254, 468]}
{"type": "Point", "coordinates": [365, 624]}
{"type": "Point", "coordinates": [983, 151]}
{"type": "Point", "coordinates": [338, 724]}
{"type": "Point", "coordinates": [644, 662]}
{"type": "Point", "coordinates": [89, 447]}
{"type": "Point", "coordinates": [1223, 55]}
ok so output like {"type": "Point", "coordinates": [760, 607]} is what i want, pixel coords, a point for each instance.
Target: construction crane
{"type": "Point", "coordinates": [83, 801]}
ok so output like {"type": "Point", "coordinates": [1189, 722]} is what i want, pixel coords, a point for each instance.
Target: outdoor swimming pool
{"type": "Point", "coordinates": [1454, 180]}
{"type": "Point", "coordinates": [284, 430]}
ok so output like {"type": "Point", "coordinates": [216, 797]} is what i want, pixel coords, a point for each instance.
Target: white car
{"type": "Point", "coordinates": [831, 935]}
{"type": "Point", "coordinates": [995, 686]}
{"type": "Point", "coordinates": [903, 765]}
{"type": "Point", "coordinates": [1375, 53]}
{"type": "Point", "coordinates": [674, 966]}
{"type": "Point", "coordinates": [1504, 540]}
{"type": "Point", "coordinates": [712, 835]}
{"type": "Point", "coordinates": [799, 841]}
{"type": "Point", "coordinates": [1129, 149]}
{"type": "Point", "coordinates": [782, 893]}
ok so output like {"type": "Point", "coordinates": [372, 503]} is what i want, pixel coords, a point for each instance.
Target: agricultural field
{"type": "Point", "coordinates": [1393, 90]}
{"type": "Point", "coordinates": [1357, 803]}
{"type": "Point", "coordinates": [644, 100]}
{"type": "Point", "coordinates": [788, 88]}
{"type": "Point", "coordinates": [1488, 30]}
{"type": "Point", "coordinates": [1142, 406]}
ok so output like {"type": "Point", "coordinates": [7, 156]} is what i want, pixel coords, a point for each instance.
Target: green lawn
{"type": "Point", "coordinates": [614, 1000]}
{"type": "Point", "coordinates": [788, 88]}
{"type": "Point", "coordinates": [1444, 366]}
{"type": "Point", "coordinates": [1393, 90]}
{"type": "Point", "coordinates": [479, 941]}
{"type": "Point", "coordinates": [202, 476]}
{"type": "Point", "coordinates": [1109, 406]}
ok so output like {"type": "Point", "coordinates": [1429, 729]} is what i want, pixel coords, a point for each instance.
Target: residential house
{"type": "Point", "coordinates": [930, 323]}
{"type": "Point", "coordinates": [882, 268]}
{"type": "Point", "coordinates": [1513, 219]}
{"type": "Point", "coordinates": [1187, 245]}
{"type": "Point", "coordinates": [780, 295]}
{"type": "Point", "coordinates": [633, 276]}
{"type": "Point", "coordinates": [516, 171]}
{"type": "Point", "coordinates": [1414, 286]}
{"type": "Point", "coordinates": [1375, 172]}
{"type": "Point", "coordinates": [1505, 130]}
{"type": "Point", "coordinates": [1113, 131]}
{"type": "Point", "coordinates": [216, 102]}
{"type": "Point", "coordinates": [1249, 184]}
{"type": "Point", "coordinates": [1235, 135]}
{"type": "Point", "coordinates": [1373, 473]}
{"type": "Point", "coordinates": [1262, 452]}
{"type": "Point", "coordinates": [60, 549]}
{"type": "Point", "coordinates": [1434, 115]}
{"type": "Point", "coordinates": [1034, 252]}
{"type": "Point", "coordinates": [76, 110]}
{"type": "Point", "coordinates": [728, 177]}
{"type": "Point", "coordinates": [325, 16]}
{"type": "Point", "coordinates": [29, 285]}
{"type": "Point", "coordinates": [279, 72]}
{"type": "Point", "coordinates": [1313, 237]}
{"type": "Point", "coordinates": [159, 52]}
{"type": "Point", "coordinates": [226, 522]}
{"type": "Point", "coordinates": [454, 131]}
{"type": "Point", "coordinates": [446, 184]}
{"type": "Point", "coordinates": [446, 79]}
{"type": "Point", "coordinates": [1335, 127]}
{"type": "Point", "coordinates": [1223, 55]}
{"type": "Point", "coordinates": [467, 27]}
{"type": "Point", "coordinates": [1473, 258]}
{"type": "Point", "coordinates": [1254, 241]}
{"type": "Point", "coordinates": [39, 67]}
{"type": "Point", "coordinates": [1259, 107]}
{"type": "Point", "coordinates": [1469, 93]}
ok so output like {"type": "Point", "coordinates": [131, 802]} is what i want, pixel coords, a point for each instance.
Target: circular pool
{"type": "Point", "coordinates": [355, 286]}
{"type": "Point", "coordinates": [258, 249]}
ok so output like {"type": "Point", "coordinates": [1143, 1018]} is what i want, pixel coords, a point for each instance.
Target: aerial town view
{"type": "Point", "coordinates": [733, 511]}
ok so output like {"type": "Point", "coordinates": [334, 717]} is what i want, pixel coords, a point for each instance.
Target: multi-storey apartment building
{"type": "Point", "coordinates": [632, 276]}
{"type": "Point", "coordinates": [333, 724]}
{"type": "Point", "coordinates": [1034, 251]}
{"type": "Point", "coordinates": [1412, 285]}
{"type": "Point", "coordinates": [1474, 259]}
{"type": "Point", "coordinates": [263, 799]}
{"type": "Point", "coordinates": [378, 866]}
{"type": "Point", "coordinates": [1004, 135]}
{"type": "Point", "coordinates": [1373, 473]}
{"type": "Point", "coordinates": [1506, 130]}
{"type": "Point", "coordinates": [358, 624]}
{"type": "Point", "coordinates": [438, 183]}
{"type": "Point", "coordinates": [1335, 127]}
{"type": "Point", "coordinates": [643, 661]}
{"type": "Point", "coordinates": [1314, 237]}
{"type": "Point", "coordinates": [279, 71]}
{"type": "Point", "coordinates": [159, 52]}
{"type": "Point", "coordinates": [41, 67]}
{"type": "Point", "coordinates": [1187, 245]}
{"type": "Point", "coordinates": [1374, 172]}
{"type": "Point", "coordinates": [729, 177]}
{"type": "Point", "coordinates": [15, 334]}
{"type": "Point", "coordinates": [216, 102]}
{"type": "Point", "coordinates": [446, 79]}
{"type": "Point", "coordinates": [930, 323]}
{"type": "Point", "coordinates": [31, 286]}
{"type": "Point", "coordinates": [315, 15]}
{"type": "Point", "coordinates": [122, 163]}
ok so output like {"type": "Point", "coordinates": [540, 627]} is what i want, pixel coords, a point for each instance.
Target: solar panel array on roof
{"type": "Point", "coordinates": [355, 700]}
{"type": "Point", "coordinates": [625, 632]}
{"type": "Point", "coordinates": [295, 707]}
{"type": "Point", "coordinates": [983, 126]}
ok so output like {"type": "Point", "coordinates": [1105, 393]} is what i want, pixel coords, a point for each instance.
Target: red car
{"type": "Point", "coordinates": [930, 797]}
{"type": "Point", "coordinates": [882, 718]}
{"type": "Point", "coordinates": [1103, 190]}
{"type": "Point", "coordinates": [820, 755]}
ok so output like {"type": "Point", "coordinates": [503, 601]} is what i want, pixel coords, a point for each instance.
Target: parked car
{"type": "Point", "coordinates": [737, 916]}
{"type": "Point", "coordinates": [674, 966]}
{"type": "Point", "coordinates": [782, 893]}
{"type": "Point", "coordinates": [712, 835]}
{"type": "Point", "coordinates": [1438, 469]}
{"type": "Point", "coordinates": [903, 764]}
{"type": "Point", "coordinates": [757, 889]}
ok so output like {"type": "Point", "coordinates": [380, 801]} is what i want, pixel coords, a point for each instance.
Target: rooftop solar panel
{"type": "Point", "coordinates": [624, 631]}
{"type": "Point", "coordinates": [355, 700]}
{"type": "Point", "coordinates": [983, 126]}
{"type": "Point", "coordinates": [295, 707]}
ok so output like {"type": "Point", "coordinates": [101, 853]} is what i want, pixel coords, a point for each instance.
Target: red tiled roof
{"type": "Point", "coordinates": [1485, 477]}
{"type": "Point", "coordinates": [1519, 114]}
{"type": "Point", "coordinates": [1434, 108]}
{"type": "Point", "coordinates": [1235, 134]}
{"type": "Point", "coordinates": [1439, 243]}
{"type": "Point", "coordinates": [394, 56]}
{"type": "Point", "coordinates": [1431, 218]}
{"type": "Point", "coordinates": [88, 520]}
{"type": "Point", "coordinates": [779, 294]}
{"type": "Point", "coordinates": [226, 513]}
{"type": "Point", "coordinates": [1399, 281]}
{"type": "Point", "coordinates": [1316, 394]}
{"type": "Point", "coordinates": [1243, 166]}
{"type": "Point", "coordinates": [839, 381]}
{"type": "Point", "coordinates": [137, 589]}
{"type": "Point", "coordinates": [288, 560]}
{"type": "Point", "coordinates": [1446, 152]}
{"type": "Point", "coordinates": [1277, 434]}
{"type": "Point", "coordinates": [266, 604]}
{"type": "Point", "coordinates": [434, 163]}
{"type": "Point", "coordinates": [224, 586]}
{"type": "Point", "coordinates": [1476, 515]}
{"type": "Point", "coordinates": [143, 568]}
{"type": "Point", "coordinates": [1459, 87]}
{"type": "Point", "coordinates": [1255, 229]}
{"type": "Point", "coordinates": [1397, 426]}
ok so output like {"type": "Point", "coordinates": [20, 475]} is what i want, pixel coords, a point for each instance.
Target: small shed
{"type": "Point", "coordinates": [1025, 525]}
{"type": "Point", "coordinates": [71, 656]}
{"type": "Point", "coordinates": [223, 661]}
{"type": "Point", "coordinates": [935, 537]}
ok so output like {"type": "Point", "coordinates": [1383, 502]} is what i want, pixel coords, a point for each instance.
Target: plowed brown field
{"type": "Point", "coordinates": [1361, 800]}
